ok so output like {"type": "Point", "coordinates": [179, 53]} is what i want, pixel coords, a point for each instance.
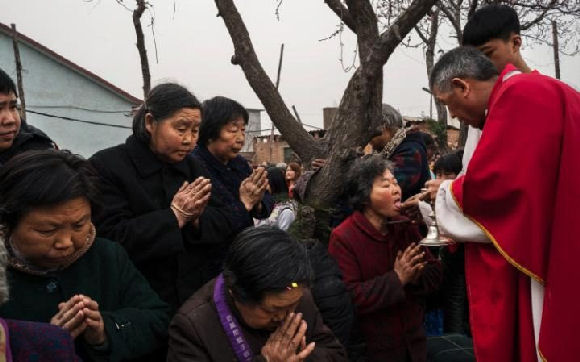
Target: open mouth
{"type": "Point", "coordinates": [397, 204]}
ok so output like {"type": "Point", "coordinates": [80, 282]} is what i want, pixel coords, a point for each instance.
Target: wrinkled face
{"type": "Point", "coordinates": [501, 52]}
{"type": "Point", "coordinates": [445, 175]}
{"type": "Point", "coordinates": [273, 309]}
{"type": "Point", "coordinates": [385, 197]}
{"type": "Point", "coordinates": [47, 236]}
{"type": "Point", "coordinates": [230, 141]}
{"type": "Point", "coordinates": [174, 137]}
{"type": "Point", "coordinates": [9, 120]}
{"type": "Point", "coordinates": [290, 174]}
{"type": "Point", "coordinates": [463, 103]}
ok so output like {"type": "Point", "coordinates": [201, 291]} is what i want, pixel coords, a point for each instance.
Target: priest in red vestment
{"type": "Point", "coordinates": [516, 199]}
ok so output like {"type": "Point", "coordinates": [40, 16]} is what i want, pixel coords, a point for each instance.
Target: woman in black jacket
{"type": "Point", "coordinates": [157, 199]}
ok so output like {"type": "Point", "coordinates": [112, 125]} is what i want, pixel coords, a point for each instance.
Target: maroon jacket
{"type": "Point", "coordinates": [389, 316]}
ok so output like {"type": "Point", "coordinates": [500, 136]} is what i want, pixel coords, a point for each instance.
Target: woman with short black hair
{"type": "Point", "coordinates": [221, 138]}
{"type": "Point", "coordinates": [387, 274]}
{"type": "Point", "coordinates": [60, 273]}
{"type": "Point", "coordinates": [158, 200]}
{"type": "Point", "coordinates": [260, 308]}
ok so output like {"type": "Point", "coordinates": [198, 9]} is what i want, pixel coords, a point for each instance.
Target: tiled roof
{"type": "Point", "coordinates": [67, 63]}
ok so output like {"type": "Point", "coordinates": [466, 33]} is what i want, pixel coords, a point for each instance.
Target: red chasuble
{"type": "Point", "coordinates": [522, 187]}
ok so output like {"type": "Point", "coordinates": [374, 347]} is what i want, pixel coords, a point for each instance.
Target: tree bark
{"type": "Point", "coordinates": [137, 13]}
{"type": "Point", "coordinates": [19, 81]}
{"type": "Point", "coordinates": [246, 57]}
{"type": "Point", "coordinates": [430, 62]}
{"type": "Point", "coordinates": [360, 110]}
{"type": "Point", "coordinates": [360, 107]}
{"type": "Point", "coordinates": [556, 48]}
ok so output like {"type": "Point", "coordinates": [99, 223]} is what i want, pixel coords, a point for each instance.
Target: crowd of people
{"type": "Point", "coordinates": [171, 246]}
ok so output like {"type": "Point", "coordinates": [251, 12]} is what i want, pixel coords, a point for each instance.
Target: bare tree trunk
{"type": "Point", "coordinates": [246, 57]}
{"type": "Point", "coordinates": [19, 81]}
{"type": "Point", "coordinates": [430, 61]}
{"type": "Point", "coordinates": [137, 13]}
{"type": "Point", "coordinates": [360, 107]}
{"type": "Point", "coordinates": [556, 48]}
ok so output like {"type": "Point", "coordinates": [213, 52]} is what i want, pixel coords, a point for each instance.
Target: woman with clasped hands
{"type": "Point", "coordinates": [221, 138]}
{"type": "Point", "coordinates": [158, 200]}
{"type": "Point", "coordinates": [60, 273]}
{"type": "Point", "coordinates": [387, 273]}
{"type": "Point", "coordinates": [259, 309]}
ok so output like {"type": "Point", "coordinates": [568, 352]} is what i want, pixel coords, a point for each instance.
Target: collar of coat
{"type": "Point", "coordinates": [365, 226]}
{"type": "Point", "coordinates": [147, 163]}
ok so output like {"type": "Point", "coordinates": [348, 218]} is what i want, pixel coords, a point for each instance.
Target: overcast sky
{"type": "Point", "coordinates": [194, 49]}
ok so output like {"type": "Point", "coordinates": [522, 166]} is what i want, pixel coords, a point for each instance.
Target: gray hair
{"type": "Point", "coordinates": [392, 119]}
{"type": "Point", "coordinates": [461, 62]}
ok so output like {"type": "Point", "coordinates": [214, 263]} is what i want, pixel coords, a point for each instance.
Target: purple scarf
{"type": "Point", "coordinates": [230, 324]}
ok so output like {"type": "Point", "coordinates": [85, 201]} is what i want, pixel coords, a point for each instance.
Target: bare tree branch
{"type": "Point", "coordinates": [421, 35]}
{"type": "Point", "coordinates": [342, 12]}
{"type": "Point", "coordinates": [390, 38]}
{"type": "Point", "coordinates": [137, 13]}
{"type": "Point", "coordinates": [246, 57]}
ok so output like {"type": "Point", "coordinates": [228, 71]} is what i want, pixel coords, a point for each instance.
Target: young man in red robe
{"type": "Point", "coordinates": [515, 198]}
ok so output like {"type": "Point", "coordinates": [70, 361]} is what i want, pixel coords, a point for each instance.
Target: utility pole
{"type": "Point", "coordinates": [556, 47]}
{"type": "Point", "coordinates": [272, 136]}
{"type": "Point", "coordinates": [18, 72]}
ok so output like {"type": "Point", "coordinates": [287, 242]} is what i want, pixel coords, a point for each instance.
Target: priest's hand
{"type": "Point", "coordinates": [410, 209]}
{"type": "Point", "coordinates": [70, 316]}
{"type": "Point", "coordinates": [288, 342]}
{"type": "Point", "coordinates": [409, 264]}
{"type": "Point", "coordinates": [433, 187]}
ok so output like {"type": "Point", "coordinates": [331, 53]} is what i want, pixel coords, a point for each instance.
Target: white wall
{"type": "Point", "coordinates": [54, 89]}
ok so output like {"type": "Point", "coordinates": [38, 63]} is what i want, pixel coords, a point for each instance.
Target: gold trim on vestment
{"type": "Point", "coordinates": [495, 243]}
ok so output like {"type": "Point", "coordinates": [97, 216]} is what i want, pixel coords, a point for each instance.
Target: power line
{"type": "Point", "coordinates": [78, 120]}
{"type": "Point", "coordinates": [80, 108]}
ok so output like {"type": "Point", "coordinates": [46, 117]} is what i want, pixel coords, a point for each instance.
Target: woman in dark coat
{"type": "Point", "coordinates": [259, 309]}
{"type": "Point", "coordinates": [221, 138]}
{"type": "Point", "coordinates": [156, 197]}
{"type": "Point", "coordinates": [59, 273]}
{"type": "Point", "coordinates": [386, 273]}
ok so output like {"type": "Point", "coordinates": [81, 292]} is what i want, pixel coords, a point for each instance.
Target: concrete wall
{"type": "Point", "coordinates": [54, 89]}
{"type": "Point", "coordinates": [253, 129]}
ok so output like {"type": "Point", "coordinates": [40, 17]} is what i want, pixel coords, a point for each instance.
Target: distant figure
{"type": "Point", "coordinates": [15, 135]}
{"type": "Point", "coordinates": [259, 309]}
{"type": "Point", "coordinates": [284, 212]}
{"type": "Point", "coordinates": [405, 148]}
{"type": "Point", "coordinates": [293, 173]}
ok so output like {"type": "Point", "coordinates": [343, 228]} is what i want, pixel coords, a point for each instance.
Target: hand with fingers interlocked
{"type": "Point", "coordinates": [410, 263]}
{"type": "Point", "coordinates": [80, 315]}
{"type": "Point", "coordinates": [190, 200]}
{"type": "Point", "coordinates": [253, 188]}
{"type": "Point", "coordinates": [288, 342]}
